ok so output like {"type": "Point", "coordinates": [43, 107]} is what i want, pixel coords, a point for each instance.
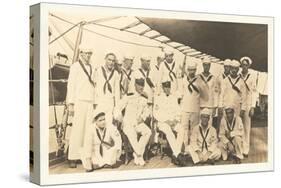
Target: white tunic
{"type": "Point", "coordinates": [107, 86]}
{"type": "Point", "coordinates": [169, 72]}
{"type": "Point", "coordinates": [233, 93]}
{"type": "Point", "coordinates": [192, 91]}
{"type": "Point", "coordinates": [211, 83]}
{"type": "Point", "coordinates": [166, 108]}
{"type": "Point", "coordinates": [149, 86]}
{"type": "Point", "coordinates": [250, 88]}
{"type": "Point", "coordinates": [103, 146]}
{"type": "Point", "coordinates": [79, 86]}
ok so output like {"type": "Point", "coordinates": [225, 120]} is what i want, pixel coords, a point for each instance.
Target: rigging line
{"type": "Point", "coordinates": [105, 36]}
{"type": "Point", "coordinates": [64, 33]}
{"type": "Point", "coordinates": [105, 19]}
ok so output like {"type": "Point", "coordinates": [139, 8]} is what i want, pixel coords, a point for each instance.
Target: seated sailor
{"type": "Point", "coordinates": [136, 111]}
{"type": "Point", "coordinates": [167, 113]}
{"type": "Point", "coordinates": [102, 144]}
{"type": "Point", "coordinates": [203, 146]}
{"type": "Point", "coordinates": [230, 135]}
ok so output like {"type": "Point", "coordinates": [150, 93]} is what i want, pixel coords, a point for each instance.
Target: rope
{"type": "Point", "coordinates": [64, 33]}
{"type": "Point", "coordinates": [105, 36]}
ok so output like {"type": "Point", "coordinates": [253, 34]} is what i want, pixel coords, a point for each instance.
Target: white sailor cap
{"type": "Point", "coordinates": [84, 49]}
{"type": "Point", "coordinates": [145, 58]}
{"type": "Point", "coordinates": [128, 56]}
{"type": "Point", "coordinates": [235, 63]}
{"type": "Point", "coordinates": [246, 59]}
{"type": "Point", "coordinates": [206, 111]}
{"type": "Point", "coordinates": [192, 64]}
{"type": "Point", "coordinates": [168, 51]}
{"type": "Point", "coordinates": [206, 60]}
{"type": "Point", "coordinates": [229, 106]}
{"type": "Point", "coordinates": [98, 113]}
{"type": "Point", "coordinates": [227, 62]}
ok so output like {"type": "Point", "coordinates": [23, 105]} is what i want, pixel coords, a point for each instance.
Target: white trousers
{"type": "Point", "coordinates": [215, 155]}
{"type": "Point", "coordinates": [238, 148]}
{"type": "Point", "coordinates": [83, 112]}
{"type": "Point", "coordinates": [247, 131]}
{"type": "Point", "coordinates": [110, 156]}
{"type": "Point", "coordinates": [106, 104]}
{"type": "Point", "coordinates": [189, 121]}
{"type": "Point", "coordinates": [132, 132]}
{"type": "Point", "coordinates": [175, 142]}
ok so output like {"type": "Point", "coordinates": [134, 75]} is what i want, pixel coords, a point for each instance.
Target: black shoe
{"type": "Point", "coordinates": [72, 164]}
{"type": "Point", "coordinates": [117, 164]}
{"type": "Point", "coordinates": [211, 162]}
{"type": "Point", "coordinates": [236, 160]}
{"type": "Point", "coordinates": [246, 156]}
{"type": "Point", "coordinates": [90, 170]}
{"type": "Point", "coordinates": [175, 160]}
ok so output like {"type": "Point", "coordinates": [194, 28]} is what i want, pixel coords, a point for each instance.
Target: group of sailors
{"type": "Point", "coordinates": [204, 117]}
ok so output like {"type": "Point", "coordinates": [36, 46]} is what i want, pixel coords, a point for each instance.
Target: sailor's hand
{"type": "Point", "coordinates": [251, 112]}
{"type": "Point", "coordinates": [70, 109]}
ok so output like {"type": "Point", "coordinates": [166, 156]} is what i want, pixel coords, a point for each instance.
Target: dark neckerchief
{"type": "Point", "coordinates": [172, 75]}
{"type": "Point", "coordinates": [101, 138]}
{"type": "Point", "coordinates": [245, 80]}
{"type": "Point", "coordinates": [107, 83]}
{"type": "Point", "coordinates": [234, 87]}
{"type": "Point", "coordinates": [89, 75]}
{"type": "Point", "coordinates": [191, 85]}
{"type": "Point", "coordinates": [204, 137]}
{"type": "Point", "coordinates": [147, 79]}
{"type": "Point", "coordinates": [206, 79]}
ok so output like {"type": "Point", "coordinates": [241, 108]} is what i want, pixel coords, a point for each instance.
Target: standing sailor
{"type": "Point", "coordinates": [220, 86]}
{"type": "Point", "coordinates": [211, 83]}
{"type": "Point", "coordinates": [107, 93]}
{"type": "Point", "coordinates": [144, 72]}
{"type": "Point", "coordinates": [251, 97]}
{"type": "Point", "coordinates": [233, 92]}
{"type": "Point", "coordinates": [231, 135]}
{"type": "Point", "coordinates": [126, 74]}
{"type": "Point", "coordinates": [136, 111]}
{"type": "Point", "coordinates": [167, 114]}
{"type": "Point", "coordinates": [102, 144]}
{"type": "Point", "coordinates": [204, 142]}
{"type": "Point", "coordinates": [80, 100]}
{"type": "Point", "coordinates": [193, 90]}
{"type": "Point", "coordinates": [169, 70]}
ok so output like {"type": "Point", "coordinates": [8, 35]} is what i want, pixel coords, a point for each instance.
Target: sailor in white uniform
{"type": "Point", "coordinates": [251, 98]}
{"type": "Point", "coordinates": [136, 111]}
{"type": "Point", "coordinates": [231, 135]}
{"type": "Point", "coordinates": [204, 142]}
{"type": "Point", "coordinates": [80, 100]}
{"type": "Point", "coordinates": [126, 74]}
{"type": "Point", "coordinates": [167, 113]}
{"type": "Point", "coordinates": [193, 91]}
{"type": "Point", "coordinates": [102, 144]}
{"type": "Point", "coordinates": [145, 73]}
{"type": "Point", "coordinates": [107, 90]}
{"type": "Point", "coordinates": [169, 70]}
{"type": "Point", "coordinates": [233, 92]}
{"type": "Point", "coordinates": [211, 82]}
{"type": "Point", "coordinates": [220, 86]}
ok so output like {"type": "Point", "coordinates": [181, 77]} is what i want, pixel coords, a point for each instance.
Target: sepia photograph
{"type": "Point", "coordinates": [137, 92]}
